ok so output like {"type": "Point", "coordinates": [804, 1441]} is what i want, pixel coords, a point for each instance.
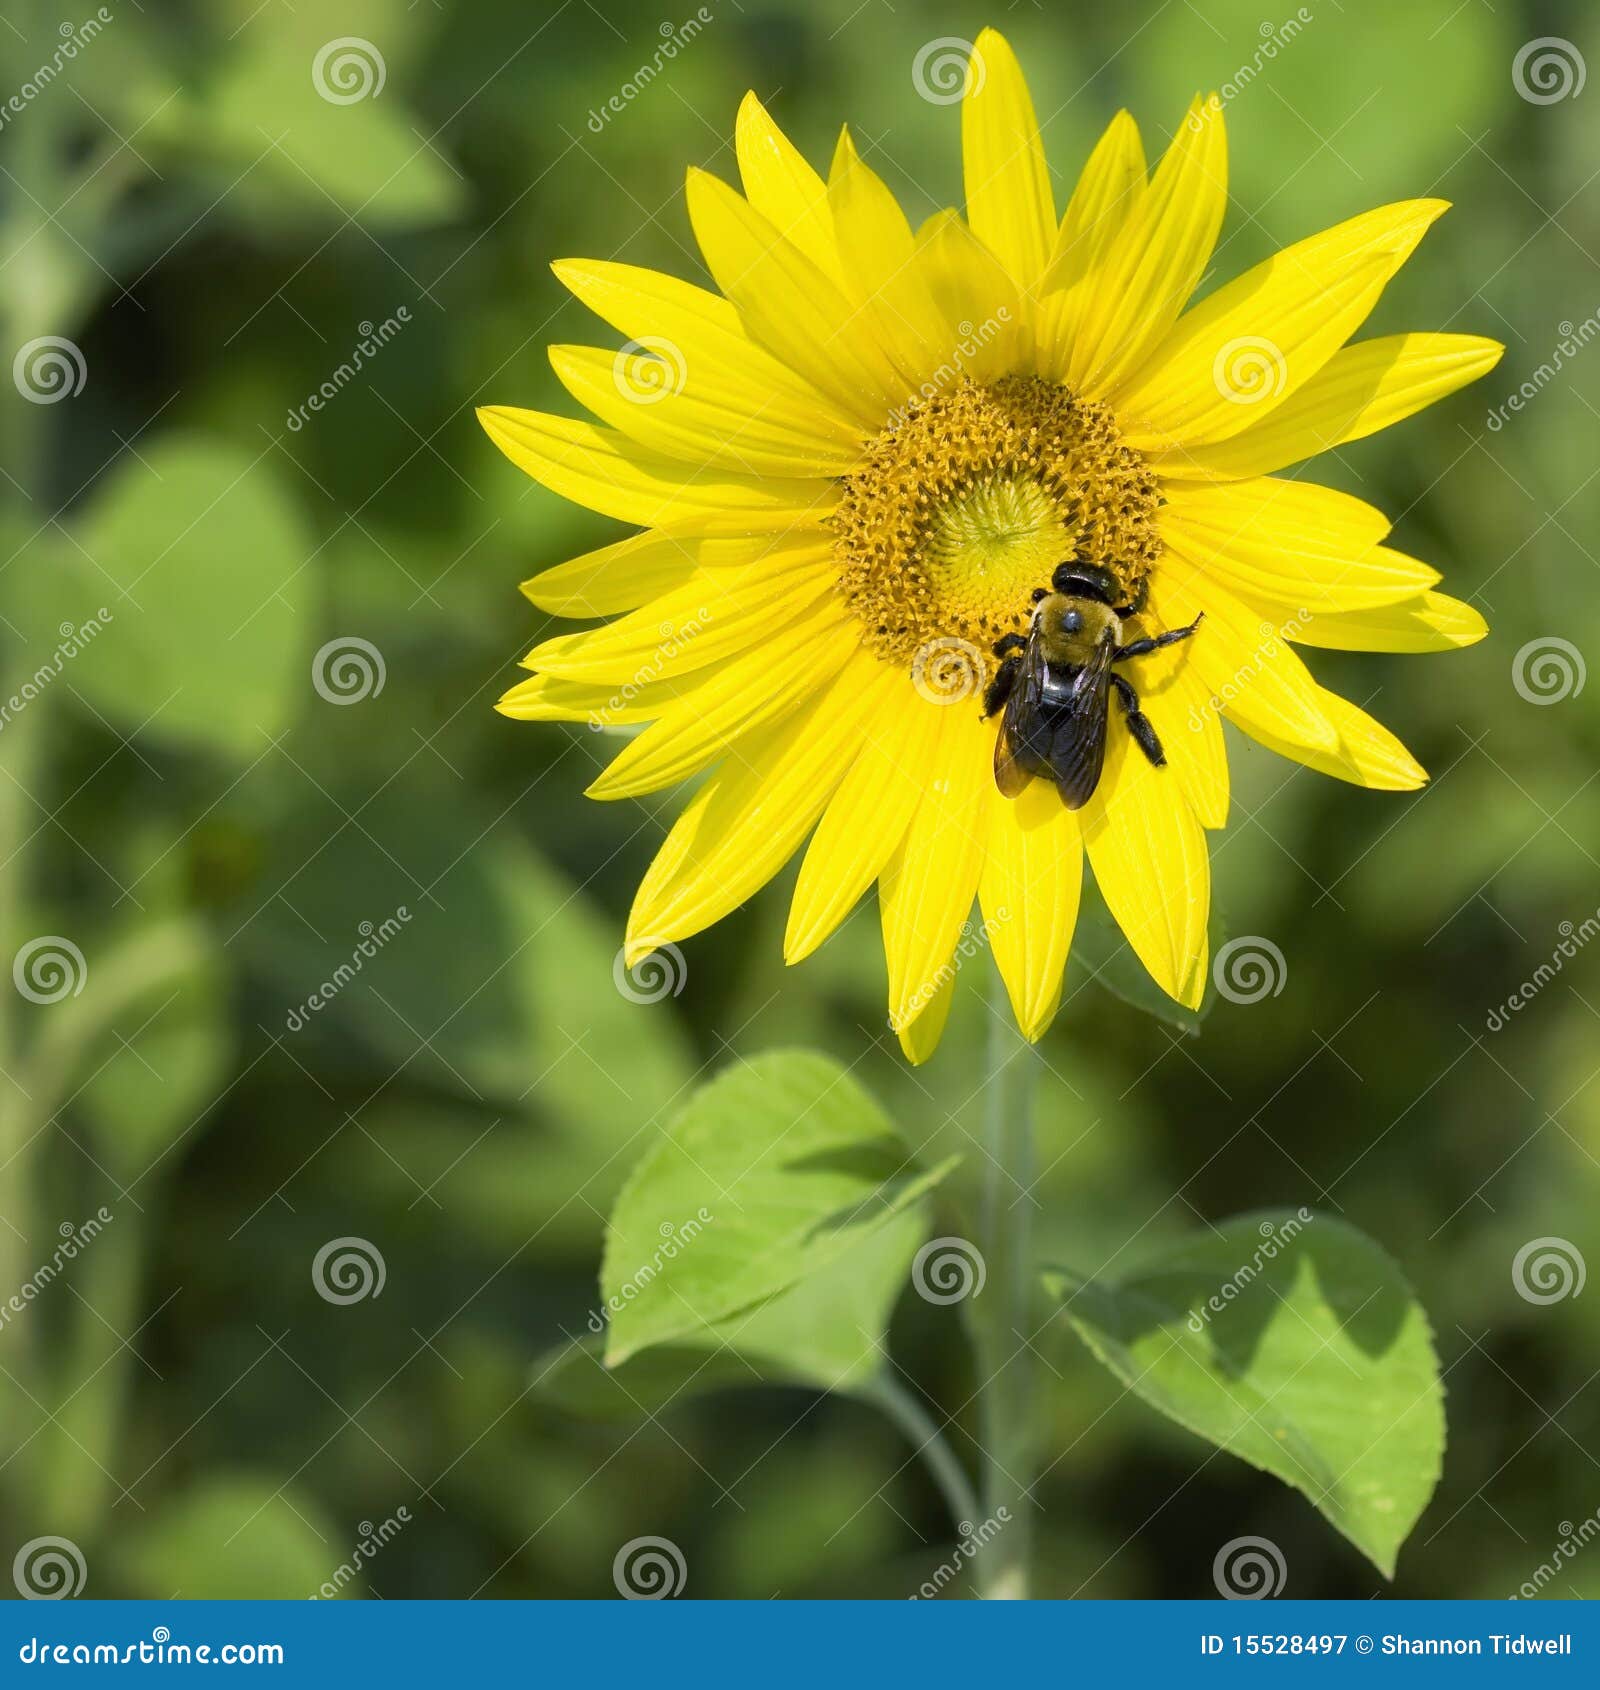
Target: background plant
{"type": "Point", "coordinates": [186, 805]}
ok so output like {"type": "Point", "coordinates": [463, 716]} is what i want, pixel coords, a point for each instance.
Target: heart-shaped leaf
{"type": "Point", "coordinates": [774, 1172]}
{"type": "Point", "coordinates": [1292, 1341]}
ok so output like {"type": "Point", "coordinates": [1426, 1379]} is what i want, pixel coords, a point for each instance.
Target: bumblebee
{"type": "Point", "coordinates": [1055, 685]}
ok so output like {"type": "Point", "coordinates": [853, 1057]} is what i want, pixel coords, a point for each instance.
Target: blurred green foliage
{"type": "Point", "coordinates": [212, 830]}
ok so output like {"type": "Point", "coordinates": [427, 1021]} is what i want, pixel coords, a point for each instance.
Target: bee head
{"type": "Point", "coordinates": [1072, 616]}
{"type": "Point", "coordinates": [1084, 581]}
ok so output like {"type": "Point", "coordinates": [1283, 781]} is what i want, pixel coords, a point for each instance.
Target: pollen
{"type": "Point", "coordinates": [971, 497]}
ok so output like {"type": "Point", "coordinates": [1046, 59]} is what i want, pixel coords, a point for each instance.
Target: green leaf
{"type": "Point", "coordinates": [773, 1173]}
{"type": "Point", "coordinates": [1295, 1344]}
{"type": "Point", "coordinates": [193, 549]}
{"type": "Point", "coordinates": [830, 1330]}
{"type": "Point", "coordinates": [1100, 953]}
{"type": "Point", "coordinates": [826, 1333]}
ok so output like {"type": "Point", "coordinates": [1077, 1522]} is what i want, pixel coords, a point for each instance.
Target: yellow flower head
{"type": "Point", "coordinates": [908, 497]}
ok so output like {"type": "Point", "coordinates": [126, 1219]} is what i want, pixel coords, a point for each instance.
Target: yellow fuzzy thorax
{"type": "Point", "coordinates": [971, 497]}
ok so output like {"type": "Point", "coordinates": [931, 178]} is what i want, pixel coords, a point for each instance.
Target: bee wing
{"type": "Point", "coordinates": [1010, 774]}
{"type": "Point", "coordinates": [1016, 762]}
{"type": "Point", "coordinates": [1078, 740]}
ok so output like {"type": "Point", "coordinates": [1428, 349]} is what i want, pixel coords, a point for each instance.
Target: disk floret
{"type": "Point", "coordinates": [968, 500]}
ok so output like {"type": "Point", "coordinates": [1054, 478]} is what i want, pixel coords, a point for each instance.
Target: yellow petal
{"type": "Point", "coordinates": [919, 1038]}
{"type": "Point", "coordinates": [733, 701]}
{"type": "Point", "coordinates": [615, 578]}
{"type": "Point", "coordinates": [1242, 658]}
{"type": "Point", "coordinates": [745, 822]}
{"type": "Point", "coordinates": [1259, 340]}
{"type": "Point", "coordinates": [1364, 751]}
{"type": "Point", "coordinates": [1178, 703]}
{"type": "Point", "coordinates": [927, 888]}
{"type": "Point", "coordinates": [658, 399]}
{"type": "Point", "coordinates": [1290, 548]}
{"type": "Point", "coordinates": [605, 471]}
{"type": "Point", "coordinates": [1360, 389]}
{"type": "Point", "coordinates": [713, 616]}
{"type": "Point", "coordinates": [866, 819]}
{"type": "Point", "coordinates": [1158, 257]}
{"type": "Point", "coordinates": [1007, 181]}
{"type": "Point", "coordinates": [1107, 196]}
{"type": "Point", "coordinates": [1108, 193]}
{"type": "Point", "coordinates": [882, 275]}
{"type": "Point", "coordinates": [1429, 622]}
{"type": "Point", "coordinates": [784, 188]}
{"type": "Point", "coordinates": [1148, 852]}
{"type": "Point", "coordinates": [552, 698]}
{"type": "Point", "coordinates": [673, 316]}
{"type": "Point", "coordinates": [631, 572]}
{"type": "Point", "coordinates": [790, 306]}
{"type": "Point", "coordinates": [975, 292]}
{"type": "Point", "coordinates": [1032, 878]}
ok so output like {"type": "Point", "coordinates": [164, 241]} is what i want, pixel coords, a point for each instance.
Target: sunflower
{"type": "Point", "coordinates": [855, 467]}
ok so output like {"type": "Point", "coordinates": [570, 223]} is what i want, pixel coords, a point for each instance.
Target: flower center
{"type": "Point", "coordinates": [968, 501]}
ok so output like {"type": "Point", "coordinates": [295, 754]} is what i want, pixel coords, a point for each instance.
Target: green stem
{"type": "Point", "coordinates": [72, 1470]}
{"type": "Point", "coordinates": [918, 1425]}
{"type": "Point", "coordinates": [71, 1473]}
{"type": "Point", "coordinates": [23, 294]}
{"type": "Point", "coordinates": [41, 276]}
{"type": "Point", "coordinates": [38, 264]}
{"type": "Point", "coordinates": [1002, 1314]}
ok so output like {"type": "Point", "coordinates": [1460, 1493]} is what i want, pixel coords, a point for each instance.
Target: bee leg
{"type": "Point", "coordinates": [1143, 648]}
{"type": "Point", "coordinates": [999, 689]}
{"type": "Point", "coordinates": [1139, 724]}
{"type": "Point", "coordinates": [1008, 643]}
